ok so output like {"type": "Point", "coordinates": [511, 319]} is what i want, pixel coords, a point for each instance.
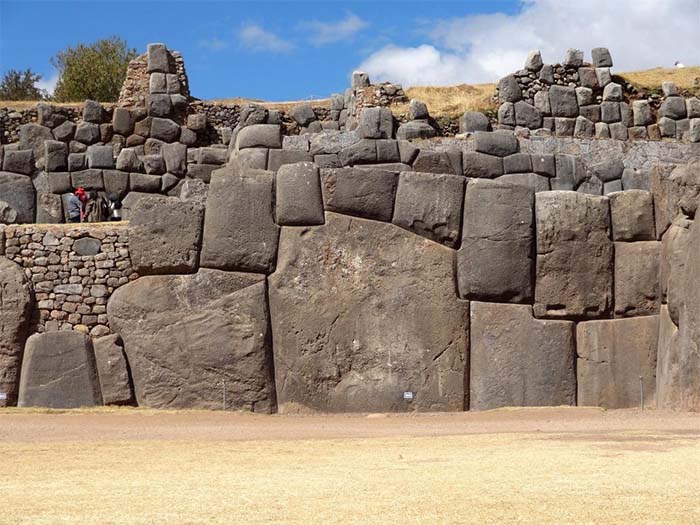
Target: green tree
{"type": "Point", "coordinates": [20, 85]}
{"type": "Point", "coordinates": [94, 71]}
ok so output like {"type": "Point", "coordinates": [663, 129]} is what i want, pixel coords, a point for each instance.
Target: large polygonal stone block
{"type": "Point", "coordinates": [190, 337]}
{"type": "Point", "coordinates": [259, 135]}
{"type": "Point", "coordinates": [15, 313]}
{"type": "Point", "coordinates": [299, 200]}
{"type": "Point", "coordinates": [632, 215]}
{"type": "Point", "coordinates": [239, 226]}
{"type": "Point", "coordinates": [165, 235]}
{"type": "Point", "coordinates": [498, 143]}
{"type": "Point", "coordinates": [495, 262]}
{"type": "Point", "coordinates": [612, 357]}
{"type": "Point", "coordinates": [517, 360]}
{"type": "Point", "coordinates": [376, 123]}
{"type": "Point", "coordinates": [58, 371]}
{"type": "Point", "coordinates": [382, 325]}
{"type": "Point", "coordinates": [430, 205]}
{"type": "Point", "coordinates": [113, 370]}
{"type": "Point", "coordinates": [365, 193]}
{"type": "Point", "coordinates": [574, 256]}
{"type": "Point", "coordinates": [562, 100]}
{"type": "Point", "coordinates": [636, 278]}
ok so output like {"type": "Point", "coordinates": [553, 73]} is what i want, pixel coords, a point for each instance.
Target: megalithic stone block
{"type": "Point", "coordinates": [58, 371]}
{"type": "Point", "coordinates": [495, 260]}
{"type": "Point", "coordinates": [517, 360]}
{"type": "Point", "coordinates": [574, 271]}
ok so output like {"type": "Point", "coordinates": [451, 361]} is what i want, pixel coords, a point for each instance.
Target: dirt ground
{"type": "Point", "coordinates": [558, 465]}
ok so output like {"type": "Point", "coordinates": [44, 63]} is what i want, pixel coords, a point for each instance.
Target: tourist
{"type": "Point", "coordinates": [75, 205]}
{"type": "Point", "coordinates": [114, 208]}
{"type": "Point", "coordinates": [94, 208]}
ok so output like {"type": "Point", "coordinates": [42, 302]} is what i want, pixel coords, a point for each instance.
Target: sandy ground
{"type": "Point", "coordinates": [559, 465]}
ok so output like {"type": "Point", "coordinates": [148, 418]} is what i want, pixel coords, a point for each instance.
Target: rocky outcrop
{"type": "Point", "coordinates": [385, 320]}
{"type": "Point", "coordinates": [189, 338]}
{"type": "Point", "coordinates": [58, 371]}
{"type": "Point", "coordinates": [15, 311]}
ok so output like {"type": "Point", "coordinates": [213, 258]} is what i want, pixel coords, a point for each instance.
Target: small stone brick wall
{"type": "Point", "coordinates": [74, 268]}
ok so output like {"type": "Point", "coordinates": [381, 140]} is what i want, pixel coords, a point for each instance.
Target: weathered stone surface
{"type": "Point", "coordinates": [116, 183]}
{"type": "Point", "coordinates": [49, 208]}
{"type": "Point", "coordinates": [632, 216]}
{"type": "Point", "coordinates": [612, 357]}
{"type": "Point", "coordinates": [472, 121]}
{"type": "Point", "coordinates": [517, 163]}
{"type": "Point", "coordinates": [601, 57]}
{"type": "Point", "coordinates": [87, 132]}
{"type": "Point", "coordinates": [415, 129]}
{"type": "Point", "coordinates": [239, 227]}
{"type": "Point", "coordinates": [674, 108]}
{"type": "Point", "coordinates": [100, 157]}
{"type": "Point", "coordinates": [482, 166]}
{"type": "Point", "coordinates": [92, 111]}
{"type": "Point", "coordinates": [574, 256]}
{"type": "Point", "coordinates": [641, 112]}
{"type": "Point", "coordinates": [430, 205]}
{"type": "Point", "coordinates": [298, 197]}
{"type": "Point", "coordinates": [494, 262]}
{"type": "Point", "coordinates": [361, 152]}
{"type": "Point", "coordinates": [55, 156]}
{"type": "Point", "coordinates": [532, 181]}
{"type": "Point", "coordinates": [159, 105]}
{"type": "Point", "coordinates": [671, 378]}
{"type": "Point", "coordinates": [672, 259]}
{"type": "Point", "coordinates": [164, 129]}
{"type": "Point", "coordinates": [259, 135]}
{"type": "Point", "coordinates": [429, 161]}
{"type": "Point", "coordinates": [506, 114]}
{"type": "Point", "coordinates": [517, 360]}
{"type": "Point", "coordinates": [563, 102]}
{"type": "Point", "coordinates": [527, 115]}
{"type": "Point", "coordinates": [32, 136]}
{"type": "Point", "coordinates": [497, 143]}
{"type": "Point", "coordinates": [303, 114]}
{"type": "Point", "coordinates": [175, 157]}
{"type": "Point", "coordinates": [19, 161]}
{"type": "Point", "coordinates": [142, 182]}
{"type": "Point", "coordinates": [15, 313]}
{"type": "Point", "coordinates": [367, 193]}
{"type": "Point", "coordinates": [509, 90]}
{"type": "Point", "coordinates": [58, 371]}
{"type": "Point", "coordinates": [281, 157]}
{"type": "Point", "coordinates": [383, 325]}
{"type": "Point", "coordinates": [187, 335]}
{"type": "Point", "coordinates": [636, 278]}
{"type": "Point", "coordinates": [19, 193]}
{"type": "Point", "coordinates": [87, 246]}
{"type": "Point", "coordinates": [165, 236]}
{"type": "Point", "coordinates": [112, 370]}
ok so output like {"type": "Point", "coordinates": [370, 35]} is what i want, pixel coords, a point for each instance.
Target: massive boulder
{"type": "Point", "coordinates": [494, 262]}
{"type": "Point", "coordinates": [612, 357]}
{"type": "Point", "coordinates": [240, 233]}
{"type": "Point", "coordinates": [189, 338]}
{"type": "Point", "coordinates": [165, 235]}
{"type": "Point", "coordinates": [574, 256]}
{"type": "Point", "coordinates": [517, 360]}
{"type": "Point", "coordinates": [385, 320]}
{"type": "Point", "coordinates": [58, 371]}
{"type": "Point", "coordinates": [15, 312]}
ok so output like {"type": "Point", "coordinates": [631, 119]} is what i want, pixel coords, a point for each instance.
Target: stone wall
{"type": "Point", "coordinates": [73, 270]}
{"type": "Point", "coordinates": [372, 269]}
{"type": "Point", "coordinates": [577, 98]}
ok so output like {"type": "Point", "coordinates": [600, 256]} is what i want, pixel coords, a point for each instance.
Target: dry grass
{"type": "Point", "coordinates": [452, 101]}
{"type": "Point", "coordinates": [576, 477]}
{"type": "Point", "coordinates": [687, 78]}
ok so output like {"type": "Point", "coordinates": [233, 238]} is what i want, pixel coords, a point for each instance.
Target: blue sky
{"type": "Point", "coordinates": [293, 50]}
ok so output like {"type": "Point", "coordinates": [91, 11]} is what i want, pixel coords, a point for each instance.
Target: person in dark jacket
{"type": "Point", "coordinates": [75, 205]}
{"type": "Point", "coordinates": [114, 208]}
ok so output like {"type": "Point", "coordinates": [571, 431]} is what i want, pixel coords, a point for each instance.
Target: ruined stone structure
{"type": "Point", "coordinates": [364, 266]}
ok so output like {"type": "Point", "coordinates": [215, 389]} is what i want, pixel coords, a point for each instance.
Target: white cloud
{"type": "Point", "coordinates": [48, 84]}
{"type": "Point", "coordinates": [255, 38]}
{"type": "Point", "coordinates": [213, 44]}
{"type": "Point", "coordinates": [321, 33]}
{"type": "Point", "coordinates": [639, 33]}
